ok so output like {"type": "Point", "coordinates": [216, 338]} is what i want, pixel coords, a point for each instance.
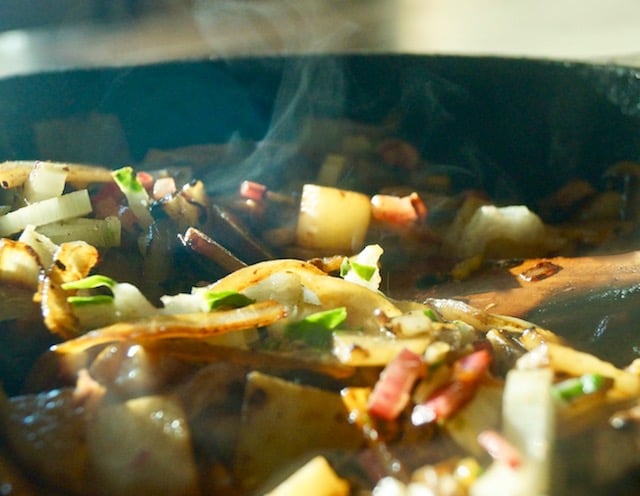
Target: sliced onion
{"type": "Point", "coordinates": [75, 204]}
{"type": "Point", "coordinates": [46, 180]}
{"type": "Point", "coordinates": [103, 233]}
{"type": "Point", "coordinates": [195, 325]}
{"type": "Point", "coordinates": [72, 261]}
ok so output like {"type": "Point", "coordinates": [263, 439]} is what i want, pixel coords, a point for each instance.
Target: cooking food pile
{"type": "Point", "coordinates": [161, 336]}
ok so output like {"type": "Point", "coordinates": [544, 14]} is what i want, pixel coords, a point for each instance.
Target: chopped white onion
{"type": "Point", "coordinates": [74, 204]}
{"type": "Point", "coordinates": [41, 244]}
{"type": "Point", "coordinates": [103, 233]}
{"type": "Point", "coordinates": [332, 219]}
{"type": "Point", "coordinates": [46, 180]}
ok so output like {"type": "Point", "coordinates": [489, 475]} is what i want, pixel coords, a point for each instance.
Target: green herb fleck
{"type": "Point", "coordinates": [81, 301]}
{"type": "Point", "coordinates": [575, 387]}
{"type": "Point", "coordinates": [127, 180]}
{"type": "Point", "coordinates": [315, 329]}
{"type": "Point", "coordinates": [431, 314]}
{"type": "Point", "coordinates": [90, 282]}
{"type": "Point", "coordinates": [226, 299]}
{"type": "Point", "coordinates": [364, 272]}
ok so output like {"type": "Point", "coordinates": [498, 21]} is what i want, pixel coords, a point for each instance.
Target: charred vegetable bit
{"type": "Point", "coordinates": [202, 244]}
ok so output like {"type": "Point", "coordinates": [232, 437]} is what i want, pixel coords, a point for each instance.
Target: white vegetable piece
{"type": "Point", "coordinates": [74, 204]}
{"type": "Point", "coordinates": [315, 478]}
{"type": "Point", "coordinates": [41, 244]}
{"type": "Point", "coordinates": [131, 443]}
{"type": "Point", "coordinates": [46, 180]}
{"type": "Point", "coordinates": [528, 414]}
{"type": "Point", "coordinates": [130, 303]}
{"type": "Point", "coordinates": [390, 486]}
{"type": "Point", "coordinates": [332, 218]}
{"type": "Point", "coordinates": [369, 256]}
{"type": "Point", "coordinates": [102, 233]}
{"type": "Point", "coordinates": [516, 224]}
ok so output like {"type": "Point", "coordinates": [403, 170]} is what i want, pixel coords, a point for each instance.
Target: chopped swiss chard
{"type": "Point", "coordinates": [90, 300]}
{"type": "Point", "coordinates": [575, 387]}
{"type": "Point", "coordinates": [226, 299]}
{"type": "Point", "coordinates": [91, 282]}
{"type": "Point", "coordinates": [364, 272]}
{"type": "Point", "coordinates": [316, 329]}
{"type": "Point", "coordinates": [136, 194]}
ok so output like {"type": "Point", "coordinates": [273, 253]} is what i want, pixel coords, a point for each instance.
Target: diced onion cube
{"type": "Point", "coordinates": [332, 218]}
{"type": "Point", "coordinates": [45, 181]}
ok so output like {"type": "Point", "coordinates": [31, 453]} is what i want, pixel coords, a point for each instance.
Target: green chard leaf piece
{"type": "Point", "coordinates": [217, 300]}
{"type": "Point", "coordinates": [345, 266]}
{"type": "Point", "coordinates": [81, 301]}
{"type": "Point", "coordinates": [575, 387]}
{"type": "Point", "coordinates": [90, 282]}
{"type": "Point", "coordinates": [127, 180]}
{"type": "Point", "coordinates": [315, 329]}
{"type": "Point", "coordinates": [431, 314]}
{"type": "Point", "coordinates": [364, 272]}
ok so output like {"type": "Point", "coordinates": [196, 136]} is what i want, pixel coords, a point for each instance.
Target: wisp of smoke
{"type": "Point", "coordinates": [307, 83]}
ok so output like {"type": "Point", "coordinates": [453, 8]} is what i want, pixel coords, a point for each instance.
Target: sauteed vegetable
{"type": "Point", "coordinates": [185, 341]}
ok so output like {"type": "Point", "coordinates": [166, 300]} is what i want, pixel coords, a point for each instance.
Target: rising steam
{"type": "Point", "coordinates": [307, 83]}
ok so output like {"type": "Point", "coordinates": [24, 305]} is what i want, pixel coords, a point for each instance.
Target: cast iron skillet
{"type": "Point", "coordinates": [522, 126]}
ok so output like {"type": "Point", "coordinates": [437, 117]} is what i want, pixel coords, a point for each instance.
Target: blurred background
{"type": "Point", "coordinates": [40, 35]}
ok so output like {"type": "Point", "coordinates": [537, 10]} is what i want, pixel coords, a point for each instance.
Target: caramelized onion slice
{"type": "Point", "coordinates": [484, 321]}
{"type": "Point", "coordinates": [199, 351]}
{"type": "Point", "coordinates": [193, 325]}
{"type": "Point", "coordinates": [71, 261]}
{"type": "Point", "coordinates": [361, 303]}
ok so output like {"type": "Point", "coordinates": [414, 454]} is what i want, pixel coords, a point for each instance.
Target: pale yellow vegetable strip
{"type": "Point", "coordinates": [484, 321]}
{"type": "Point", "coordinates": [73, 204]}
{"type": "Point", "coordinates": [359, 350]}
{"type": "Point", "coordinates": [565, 359]}
{"type": "Point", "coordinates": [195, 325]}
{"type": "Point", "coordinates": [14, 173]}
{"type": "Point", "coordinates": [102, 233]}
